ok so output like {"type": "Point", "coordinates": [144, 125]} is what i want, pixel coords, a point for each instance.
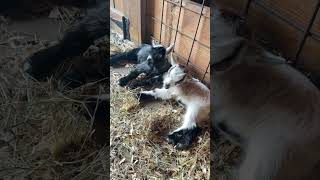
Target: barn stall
{"type": "Point", "coordinates": [137, 145]}
{"type": "Point", "coordinates": [287, 28]}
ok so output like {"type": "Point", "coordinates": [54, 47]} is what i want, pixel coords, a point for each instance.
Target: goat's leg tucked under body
{"type": "Point", "coordinates": [153, 81]}
{"type": "Point", "coordinates": [183, 137]}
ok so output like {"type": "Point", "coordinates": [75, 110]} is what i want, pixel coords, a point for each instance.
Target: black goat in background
{"type": "Point", "coordinates": [76, 41]}
{"type": "Point", "coordinates": [150, 59]}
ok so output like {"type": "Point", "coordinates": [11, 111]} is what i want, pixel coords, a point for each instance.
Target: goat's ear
{"type": "Point", "coordinates": [169, 49]}
{"type": "Point", "coordinates": [154, 43]}
{"type": "Point", "coordinates": [180, 76]}
{"type": "Point", "coordinates": [172, 61]}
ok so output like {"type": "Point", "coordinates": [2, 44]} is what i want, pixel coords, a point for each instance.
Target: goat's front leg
{"type": "Point", "coordinates": [156, 80]}
{"type": "Point", "coordinates": [183, 137]}
{"type": "Point", "coordinates": [163, 94]}
{"type": "Point", "coordinates": [126, 79]}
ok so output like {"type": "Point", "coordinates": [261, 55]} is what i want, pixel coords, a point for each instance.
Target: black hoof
{"type": "Point", "coordinates": [183, 139]}
{"type": "Point", "coordinates": [123, 82]}
{"type": "Point", "coordinates": [132, 86]}
{"type": "Point", "coordinates": [144, 97]}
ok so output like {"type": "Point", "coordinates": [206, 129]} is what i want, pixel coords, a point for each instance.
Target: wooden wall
{"type": "Point", "coordinates": [191, 45]}
{"type": "Point", "coordinates": [132, 10]}
{"type": "Point", "coordinates": [186, 48]}
{"type": "Point", "coordinates": [292, 27]}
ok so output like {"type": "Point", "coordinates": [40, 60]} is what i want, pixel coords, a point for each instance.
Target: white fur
{"type": "Point", "coordinates": [196, 106]}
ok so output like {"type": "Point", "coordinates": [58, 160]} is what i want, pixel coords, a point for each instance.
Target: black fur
{"type": "Point", "coordinates": [76, 41]}
{"type": "Point", "coordinates": [145, 97]}
{"type": "Point", "coordinates": [183, 139]}
{"type": "Point", "coordinates": [154, 66]}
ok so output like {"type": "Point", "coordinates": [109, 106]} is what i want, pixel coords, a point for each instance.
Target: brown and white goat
{"type": "Point", "coordinates": [266, 106]}
{"type": "Point", "coordinates": [191, 93]}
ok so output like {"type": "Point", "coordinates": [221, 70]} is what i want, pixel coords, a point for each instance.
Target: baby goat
{"type": "Point", "coordinates": [265, 105]}
{"type": "Point", "coordinates": [190, 92]}
{"type": "Point", "coordinates": [150, 59]}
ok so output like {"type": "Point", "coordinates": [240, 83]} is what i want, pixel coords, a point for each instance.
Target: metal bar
{"type": "Point", "coordinates": [161, 20]}
{"type": "Point", "coordinates": [195, 35]}
{"type": "Point", "coordinates": [175, 37]}
{"type": "Point", "coordinates": [185, 8]}
{"type": "Point", "coordinates": [205, 72]}
{"type": "Point", "coordinates": [307, 32]}
{"type": "Point", "coordinates": [114, 5]}
{"type": "Point", "coordinates": [157, 20]}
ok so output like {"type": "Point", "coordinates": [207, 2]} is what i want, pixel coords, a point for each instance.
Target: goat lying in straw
{"type": "Point", "coordinates": [263, 104]}
{"type": "Point", "coordinates": [190, 92]}
{"type": "Point", "coordinates": [151, 60]}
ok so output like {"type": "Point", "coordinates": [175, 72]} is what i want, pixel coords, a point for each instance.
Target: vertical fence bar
{"type": "Point", "coordinates": [175, 37]}
{"type": "Point", "coordinates": [205, 73]}
{"type": "Point", "coordinates": [114, 5]}
{"type": "Point", "coordinates": [195, 35]}
{"type": "Point", "coordinates": [307, 32]}
{"type": "Point", "coordinates": [161, 20]}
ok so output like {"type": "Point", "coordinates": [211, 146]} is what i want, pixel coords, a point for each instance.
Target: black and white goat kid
{"type": "Point", "coordinates": [150, 59]}
{"type": "Point", "coordinates": [191, 93]}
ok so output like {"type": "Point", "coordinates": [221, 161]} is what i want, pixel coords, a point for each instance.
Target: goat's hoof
{"type": "Point", "coordinates": [143, 97]}
{"type": "Point", "coordinates": [30, 70]}
{"type": "Point", "coordinates": [122, 82]}
{"type": "Point", "coordinates": [183, 139]}
{"type": "Point", "coordinates": [132, 86]}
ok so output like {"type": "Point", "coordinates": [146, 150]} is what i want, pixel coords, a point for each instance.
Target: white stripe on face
{"type": "Point", "coordinates": [157, 45]}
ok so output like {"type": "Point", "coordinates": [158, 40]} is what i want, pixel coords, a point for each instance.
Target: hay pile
{"type": "Point", "coordinates": [138, 149]}
{"type": "Point", "coordinates": [43, 134]}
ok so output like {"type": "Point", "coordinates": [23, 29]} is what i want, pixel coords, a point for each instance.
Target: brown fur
{"type": "Point", "coordinates": [274, 110]}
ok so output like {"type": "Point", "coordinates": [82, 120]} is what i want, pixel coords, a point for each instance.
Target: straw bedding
{"type": "Point", "coordinates": [43, 133]}
{"type": "Point", "coordinates": [137, 132]}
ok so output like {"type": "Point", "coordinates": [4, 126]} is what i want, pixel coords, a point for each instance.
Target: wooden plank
{"type": "Point", "coordinates": [196, 7]}
{"type": "Point", "coordinates": [188, 22]}
{"type": "Point", "coordinates": [154, 8]}
{"type": "Point", "coordinates": [310, 56]}
{"type": "Point", "coordinates": [296, 11]}
{"type": "Point", "coordinates": [119, 5]}
{"type": "Point", "coordinates": [183, 45]}
{"type": "Point", "coordinates": [116, 14]}
{"type": "Point", "coordinates": [143, 20]}
{"type": "Point", "coordinates": [133, 11]}
{"type": "Point", "coordinates": [203, 34]}
{"type": "Point", "coordinates": [279, 34]}
{"type": "Point", "coordinates": [153, 28]}
{"type": "Point", "coordinates": [200, 56]}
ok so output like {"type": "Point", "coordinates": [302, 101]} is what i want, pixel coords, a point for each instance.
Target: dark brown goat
{"type": "Point", "coordinates": [265, 105]}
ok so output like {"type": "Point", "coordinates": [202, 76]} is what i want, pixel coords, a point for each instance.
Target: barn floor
{"type": "Point", "coordinates": [137, 145]}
